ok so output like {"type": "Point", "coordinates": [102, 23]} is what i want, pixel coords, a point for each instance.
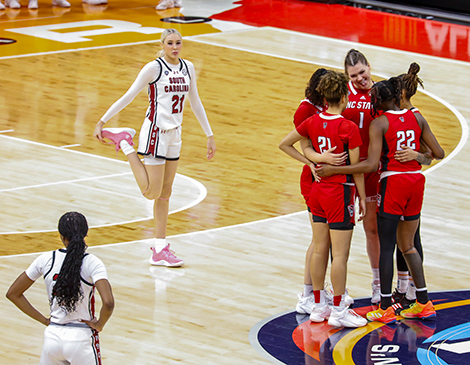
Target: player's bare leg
{"type": "Point", "coordinates": [161, 179]}
{"type": "Point", "coordinates": [373, 248]}
{"type": "Point", "coordinates": [305, 302]}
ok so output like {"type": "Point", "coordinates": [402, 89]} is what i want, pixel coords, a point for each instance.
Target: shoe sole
{"type": "Point", "coordinates": [318, 320]}
{"type": "Point", "coordinates": [392, 321]}
{"type": "Point", "coordinates": [119, 130]}
{"type": "Point", "coordinates": [301, 311]}
{"type": "Point", "coordinates": [429, 316]}
{"type": "Point", "coordinates": [349, 325]}
{"type": "Point", "coordinates": [165, 263]}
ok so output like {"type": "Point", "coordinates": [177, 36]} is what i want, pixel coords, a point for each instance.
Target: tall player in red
{"type": "Point", "coordinates": [405, 292]}
{"type": "Point", "coordinates": [359, 111]}
{"type": "Point", "coordinates": [401, 193]}
{"type": "Point", "coordinates": [332, 200]}
{"type": "Point", "coordinates": [311, 105]}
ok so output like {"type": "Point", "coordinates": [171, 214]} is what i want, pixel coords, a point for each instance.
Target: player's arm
{"type": "Point", "coordinates": [200, 112]}
{"type": "Point", "coordinates": [107, 305]}
{"type": "Point", "coordinates": [147, 75]}
{"type": "Point", "coordinates": [359, 181]}
{"type": "Point", "coordinates": [376, 132]}
{"type": "Point", "coordinates": [287, 146]}
{"type": "Point", "coordinates": [429, 139]}
{"type": "Point", "coordinates": [16, 295]}
{"type": "Point", "coordinates": [424, 156]}
{"type": "Point", "coordinates": [328, 156]}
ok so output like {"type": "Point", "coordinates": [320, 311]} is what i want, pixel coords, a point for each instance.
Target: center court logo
{"type": "Point", "coordinates": [291, 338]}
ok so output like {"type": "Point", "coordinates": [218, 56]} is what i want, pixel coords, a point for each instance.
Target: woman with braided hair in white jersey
{"type": "Point", "coordinates": [71, 276]}
{"type": "Point", "coordinates": [170, 80]}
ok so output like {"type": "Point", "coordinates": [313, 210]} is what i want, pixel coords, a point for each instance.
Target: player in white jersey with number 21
{"type": "Point", "coordinates": [170, 81]}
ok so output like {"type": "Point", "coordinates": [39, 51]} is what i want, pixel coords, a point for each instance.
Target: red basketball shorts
{"type": "Point", "coordinates": [401, 195]}
{"type": "Point", "coordinates": [306, 182]}
{"type": "Point", "coordinates": [371, 182]}
{"type": "Point", "coordinates": [333, 203]}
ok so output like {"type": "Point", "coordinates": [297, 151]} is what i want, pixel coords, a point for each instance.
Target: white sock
{"type": "Point", "coordinates": [126, 147]}
{"type": "Point", "coordinates": [402, 281]}
{"type": "Point", "coordinates": [308, 290]}
{"type": "Point", "coordinates": [160, 244]}
{"type": "Point", "coordinates": [411, 291]}
{"type": "Point", "coordinates": [376, 276]}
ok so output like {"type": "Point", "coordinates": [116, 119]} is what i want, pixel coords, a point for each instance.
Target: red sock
{"type": "Point", "coordinates": [337, 300]}
{"type": "Point", "coordinates": [316, 294]}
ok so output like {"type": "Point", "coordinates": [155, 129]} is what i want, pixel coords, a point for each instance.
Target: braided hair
{"type": "Point", "coordinates": [311, 93]}
{"type": "Point", "coordinates": [411, 80]}
{"type": "Point", "coordinates": [67, 290]}
{"type": "Point", "coordinates": [333, 86]}
{"type": "Point", "coordinates": [384, 91]}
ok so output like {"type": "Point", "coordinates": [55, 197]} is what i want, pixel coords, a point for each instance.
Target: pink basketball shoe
{"type": "Point", "coordinates": [165, 257]}
{"type": "Point", "coordinates": [116, 135]}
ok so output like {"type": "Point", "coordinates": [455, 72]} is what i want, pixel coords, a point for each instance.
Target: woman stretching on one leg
{"type": "Point", "coordinates": [169, 80]}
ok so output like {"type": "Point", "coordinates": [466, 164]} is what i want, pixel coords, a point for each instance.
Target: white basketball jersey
{"type": "Point", "coordinates": [167, 94]}
{"type": "Point", "coordinates": [92, 270]}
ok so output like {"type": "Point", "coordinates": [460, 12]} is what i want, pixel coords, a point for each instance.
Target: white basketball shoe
{"type": "Point", "coordinates": [305, 304]}
{"type": "Point", "coordinates": [342, 316]}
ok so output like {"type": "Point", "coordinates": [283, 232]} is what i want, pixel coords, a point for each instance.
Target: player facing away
{"type": "Point", "coordinates": [170, 80]}
{"type": "Point", "coordinates": [313, 103]}
{"type": "Point", "coordinates": [358, 110]}
{"type": "Point", "coordinates": [401, 193]}
{"type": "Point", "coordinates": [71, 276]}
{"type": "Point", "coordinates": [331, 201]}
{"type": "Point", "coordinates": [405, 293]}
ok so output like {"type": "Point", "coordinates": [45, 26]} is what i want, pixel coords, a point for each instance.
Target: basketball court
{"type": "Point", "coordinates": [239, 221]}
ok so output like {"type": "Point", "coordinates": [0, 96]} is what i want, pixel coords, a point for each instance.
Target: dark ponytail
{"type": "Point", "coordinates": [67, 289]}
{"type": "Point", "coordinates": [385, 91]}
{"type": "Point", "coordinates": [411, 80]}
{"type": "Point", "coordinates": [311, 92]}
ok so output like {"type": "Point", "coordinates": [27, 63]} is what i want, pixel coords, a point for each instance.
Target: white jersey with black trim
{"type": "Point", "coordinates": [92, 270]}
{"type": "Point", "coordinates": [167, 94]}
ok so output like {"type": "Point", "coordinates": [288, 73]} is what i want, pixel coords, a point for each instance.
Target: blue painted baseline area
{"type": "Point", "coordinates": [290, 338]}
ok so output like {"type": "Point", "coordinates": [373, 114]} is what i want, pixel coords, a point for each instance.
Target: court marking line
{"type": "Point", "coordinates": [199, 186]}
{"type": "Point", "coordinates": [195, 38]}
{"type": "Point", "coordinates": [64, 182]}
{"type": "Point", "coordinates": [454, 110]}
{"type": "Point", "coordinates": [344, 42]}
{"type": "Point", "coordinates": [77, 49]}
{"type": "Point", "coordinates": [254, 331]}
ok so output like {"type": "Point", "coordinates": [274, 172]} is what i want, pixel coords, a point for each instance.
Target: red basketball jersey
{"type": "Point", "coordinates": [305, 110]}
{"type": "Point", "coordinates": [329, 130]}
{"type": "Point", "coordinates": [358, 110]}
{"type": "Point", "coordinates": [403, 129]}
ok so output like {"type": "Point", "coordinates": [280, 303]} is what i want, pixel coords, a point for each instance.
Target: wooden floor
{"type": "Point", "coordinates": [244, 243]}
